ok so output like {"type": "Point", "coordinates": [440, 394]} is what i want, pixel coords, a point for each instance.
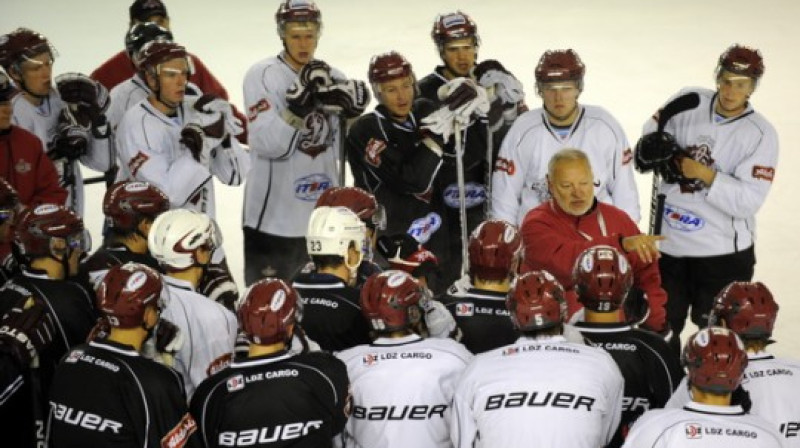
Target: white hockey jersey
{"type": "Point", "coordinates": [285, 182]}
{"type": "Point", "coordinates": [149, 149]}
{"type": "Point", "coordinates": [402, 389]}
{"type": "Point", "coordinates": [743, 150]}
{"type": "Point", "coordinates": [773, 385]}
{"type": "Point", "coordinates": [42, 121]}
{"type": "Point", "coordinates": [519, 181]}
{"type": "Point", "coordinates": [538, 392]}
{"type": "Point", "coordinates": [130, 92]}
{"type": "Point", "coordinates": [702, 426]}
{"type": "Point", "coordinates": [208, 328]}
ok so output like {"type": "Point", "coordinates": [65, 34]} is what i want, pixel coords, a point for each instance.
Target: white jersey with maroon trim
{"type": "Point", "coordinates": [519, 182]}
{"type": "Point", "coordinates": [130, 92]}
{"type": "Point", "coordinates": [538, 392]}
{"type": "Point", "coordinates": [743, 151]}
{"type": "Point", "coordinates": [773, 385]}
{"type": "Point", "coordinates": [702, 425]}
{"type": "Point", "coordinates": [42, 121]}
{"type": "Point", "coordinates": [149, 150]}
{"type": "Point", "coordinates": [288, 173]}
{"type": "Point", "coordinates": [402, 391]}
{"type": "Point", "coordinates": [209, 332]}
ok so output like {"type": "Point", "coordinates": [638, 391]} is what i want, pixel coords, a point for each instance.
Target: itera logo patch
{"type": "Point", "coordinates": [309, 188]}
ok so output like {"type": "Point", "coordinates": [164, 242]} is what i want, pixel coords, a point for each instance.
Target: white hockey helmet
{"type": "Point", "coordinates": [331, 230]}
{"type": "Point", "coordinates": [177, 234]}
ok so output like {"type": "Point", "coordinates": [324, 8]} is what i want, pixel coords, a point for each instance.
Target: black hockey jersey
{"type": "Point", "coordinates": [106, 395]}
{"type": "Point", "coordinates": [482, 317]}
{"type": "Point", "coordinates": [279, 400]}
{"type": "Point", "coordinates": [331, 312]}
{"type": "Point", "coordinates": [74, 316]}
{"type": "Point", "coordinates": [107, 256]}
{"type": "Point", "coordinates": [650, 368]}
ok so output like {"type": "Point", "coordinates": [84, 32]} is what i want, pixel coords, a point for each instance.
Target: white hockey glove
{"type": "Point", "coordinates": [462, 98]}
{"type": "Point", "coordinates": [460, 287]}
{"type": "Point", "coordinates": [348, 98]}
{"type": "Point", "coordinates": [87, 99]}
{"type": "Point", "coordinates": [213, 107]}
{"type": "Point", "coordinates": [439, 321]}
{"type": "Point", "coordinates": [492, 74]}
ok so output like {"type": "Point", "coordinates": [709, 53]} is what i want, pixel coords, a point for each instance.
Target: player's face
{"type": "Point", "coordinates": [37, 74]}
{"type": "Point", "coordinates": [560, 101]}
{"type": "Point", "coordinates": [5, 114]}
{"type": "Point", "coordinates": [572, 186]}
{"type": "Point", "coordinates": [173, 76]}
{"type": "Point", "coordinates": [398, 96]}
{"type": "Point", "coordinates": [734, 92]}
{"type": "Point", "coordinates": [459, 56]}
{"type": "Point", "coordinates": [300, 40]}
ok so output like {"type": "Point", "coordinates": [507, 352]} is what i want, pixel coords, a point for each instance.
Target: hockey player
{"type": "Point", "coordinates": [294, 104]}
{"type": "Point", "coordinates": [336, 238]}
{"type": "Point", "coordinates": [750, 311]}
{"type": "Point", "coordinates": [68, 119]}
{"type": "Point", "coordinates": [456, 38]}
{"type": "Point", "coordinates": [130, 209]}
{"type": "Point", "coordinates": [720, 160]}
{"type": "Point", "coordinates": [715, 360]}
{"type": "Point", "coordinates": [401, 163]}
{"type": "Point", "coordinates": [402, 384]}
{"type": "Point", "coordinates": [49, 241]}
{"type": "Point", "coordinates": [519, 182]}
{"type": "Point", "coordinates": [479, 306]}
{"type": "Point", "coordinates": [404, 253]}
{"type": "Point", "coordinates": [175, 142]}
{"type": "Point", "coordinates": [25, 165]}
{"type": "Point", "coordinates": [273, 398]}
{"type": "Point", "coordinates": [149, 407]}
{"type": "Point", "coordinates": [603, 278]}
{"type": "Point", "coordinates": [182, 242]}
{"type": "Point", "coordinates": [372, 215]}
{"type": "Point", "coordinates": [573, 220]}
{"type": "Point", "coordinates": [519, 395]}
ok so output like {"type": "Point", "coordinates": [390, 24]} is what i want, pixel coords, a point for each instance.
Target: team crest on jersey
{"type": "Point", "coordinates": [766, 173]}
{"type": "Point", "coordinates": [219, 364]}
{"type": "Point", "coordinates": [627, 156]}
{"type": "Point", "coordinates": [310, 188]}
{"type": "Point", "coordinates": [474, 194]}
{"type": "Point", "coordinates": [261, 106]}
{"type": "Point", "coordinates": [510, 351]}
{"type": "Point", "coordinates": [136, 162]}
{"type": "Point", "coordinates": [682, 220]}
{"type": "Point", "coordinates": [74, 356]}
{"type": "Point", "coordinates": [22, 166]}
{"type": "Point", "coordinates": [370, 359]}
{"type": "Point", "coordinates": [422, 228]}
{"type": "Point", "coordinates": [372, 153]}
{"type": "Point", "coordinates": [235, 383]}
{"type": "Point", "coordinates": [505, 165]}
{"type": "Point", "coordinates": [694, 431]}
{"type": "Point", "coordinates": [465, 309]}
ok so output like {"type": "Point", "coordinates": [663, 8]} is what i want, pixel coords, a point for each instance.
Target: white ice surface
{"type": "Point", "coordinates": [637, 53]}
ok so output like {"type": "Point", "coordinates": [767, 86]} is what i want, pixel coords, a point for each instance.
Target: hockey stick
{"type": "Point", "coordinates": [342, 153]}
{"type": "Point", "coordinates": [489, 168]}
{"type": "Point", "coordinates": [462, 202]}
{"type": "Point", "coordinates": [680, 104]}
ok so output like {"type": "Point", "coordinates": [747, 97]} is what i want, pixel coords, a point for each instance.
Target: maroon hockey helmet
{"type": "Point", "coordinates": [388, 66]}
{"type": "Point", "coordinates": [715, 359]}
{"type": "Point", "coordinates": [536, 301]}
{"type": "Point", "coordinates": [9, 199]}
{"type": "Point", "coordinates": [747, 308]}
{"type": "Point", "coordinates": [297, 11]}
{"type": "Point", "coordinates": [22, 44]}
{"type": "Point", "coordinates": [157, 52]}
{"type": "Point", "coordinates": [390, 301]}
{"type": "Point", "coordinates": [125, 293]}
{"type": "Point", "coordinates": [38, 229]}
{"type": "Point", "coordinates": [603, 277]}
{"type": "Point", "coordinates": [125, 203]}
{"type": "Point", "coordinates": [142, 10]}
{"type": "Point", "coordinates": [453, 26]}
{"type": "Point", "coordinates": [358, 201]}
{"type": "Point", "coordinates": [494, 247]}
{"type": "Point", "coordinates": [741, 60]}
{"type": "Point", "coordinates": [142, 33]}
{"type": "Point", "coordinates": [269, 310]}
{"type": "Point", "coordinates": [560, 65]}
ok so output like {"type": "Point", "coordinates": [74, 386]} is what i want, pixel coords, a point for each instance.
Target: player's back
{"type": "Point", "coordinates": [482, 317]}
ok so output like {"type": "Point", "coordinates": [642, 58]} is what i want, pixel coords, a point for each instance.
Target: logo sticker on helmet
{"type": "Point", "coordinates": [396, 280]}
{"type": "Point", "coordinates": [135, 281]}
{"type": "Point", "coordinates": [278, 299]}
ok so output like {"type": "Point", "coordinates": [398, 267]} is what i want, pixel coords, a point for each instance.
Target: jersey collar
{"type": "Point", "coordinates": [408, 339]}
{"type": "Point", "coordinates": [701, 408]}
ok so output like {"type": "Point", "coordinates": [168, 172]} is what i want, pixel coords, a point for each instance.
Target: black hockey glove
{"type": "Point", "coordinates": [216, 117]}
{"type": "Point", "coordinates": [71, 139]}
{"type": "Point", "coordinates": [168, 337]}
{"type": "Point", "coordinates": [26, 329]}
{"type": "Point", "coordinates": [87, 98]}
{"type": "Point", "coordinates": [316, 73]}
{"type": "Point", "coordinates": [348, 98]}
{"type": "Point", "coordinates": [194, 139]}
{"type": "Point", "coordinates": [458, 95]}
{"type": "Point", "coordinates": [300, 95]}
{"type": "Point", "coordinates": [217, 284]}
{"type": "Point", "coordinates": [654, 150]}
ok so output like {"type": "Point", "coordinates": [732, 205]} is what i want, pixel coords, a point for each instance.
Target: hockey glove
{"type": "Point", "coordinates": [218, 285]}
{"type": "Point", "coordinates": [464, 97]}
{"type": "Point", "coordinates": [654, 150]}
{"type": "Point", "coordinates": [491, 74]}
{"type": "Point", "coordinates": [440, 123]}
{"type": "Point", "coordinates": [71, 139]}
{"type": "Point", "coordinates": [194, 139]}
{"type": "Point", "coordinates": [348, 98]}
{"type": "Point", "coordinates": [438, 320]}
{"type": "Point", "coordinates": [300, 95]}
{"type": "Point", "coordinates": [217, 110]}
{"type": "Point", "coordinates": [87, 99]}
{"type": "Point", "coordinates": [316, 73]}
{"type": "Point", "coordinates": [26, 329]}
{"type": "Point", "coordinates": [169, 338]}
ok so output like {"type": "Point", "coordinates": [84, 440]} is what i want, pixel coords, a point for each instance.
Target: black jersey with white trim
{"type": "Point", "coordinates": [482, 317]}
